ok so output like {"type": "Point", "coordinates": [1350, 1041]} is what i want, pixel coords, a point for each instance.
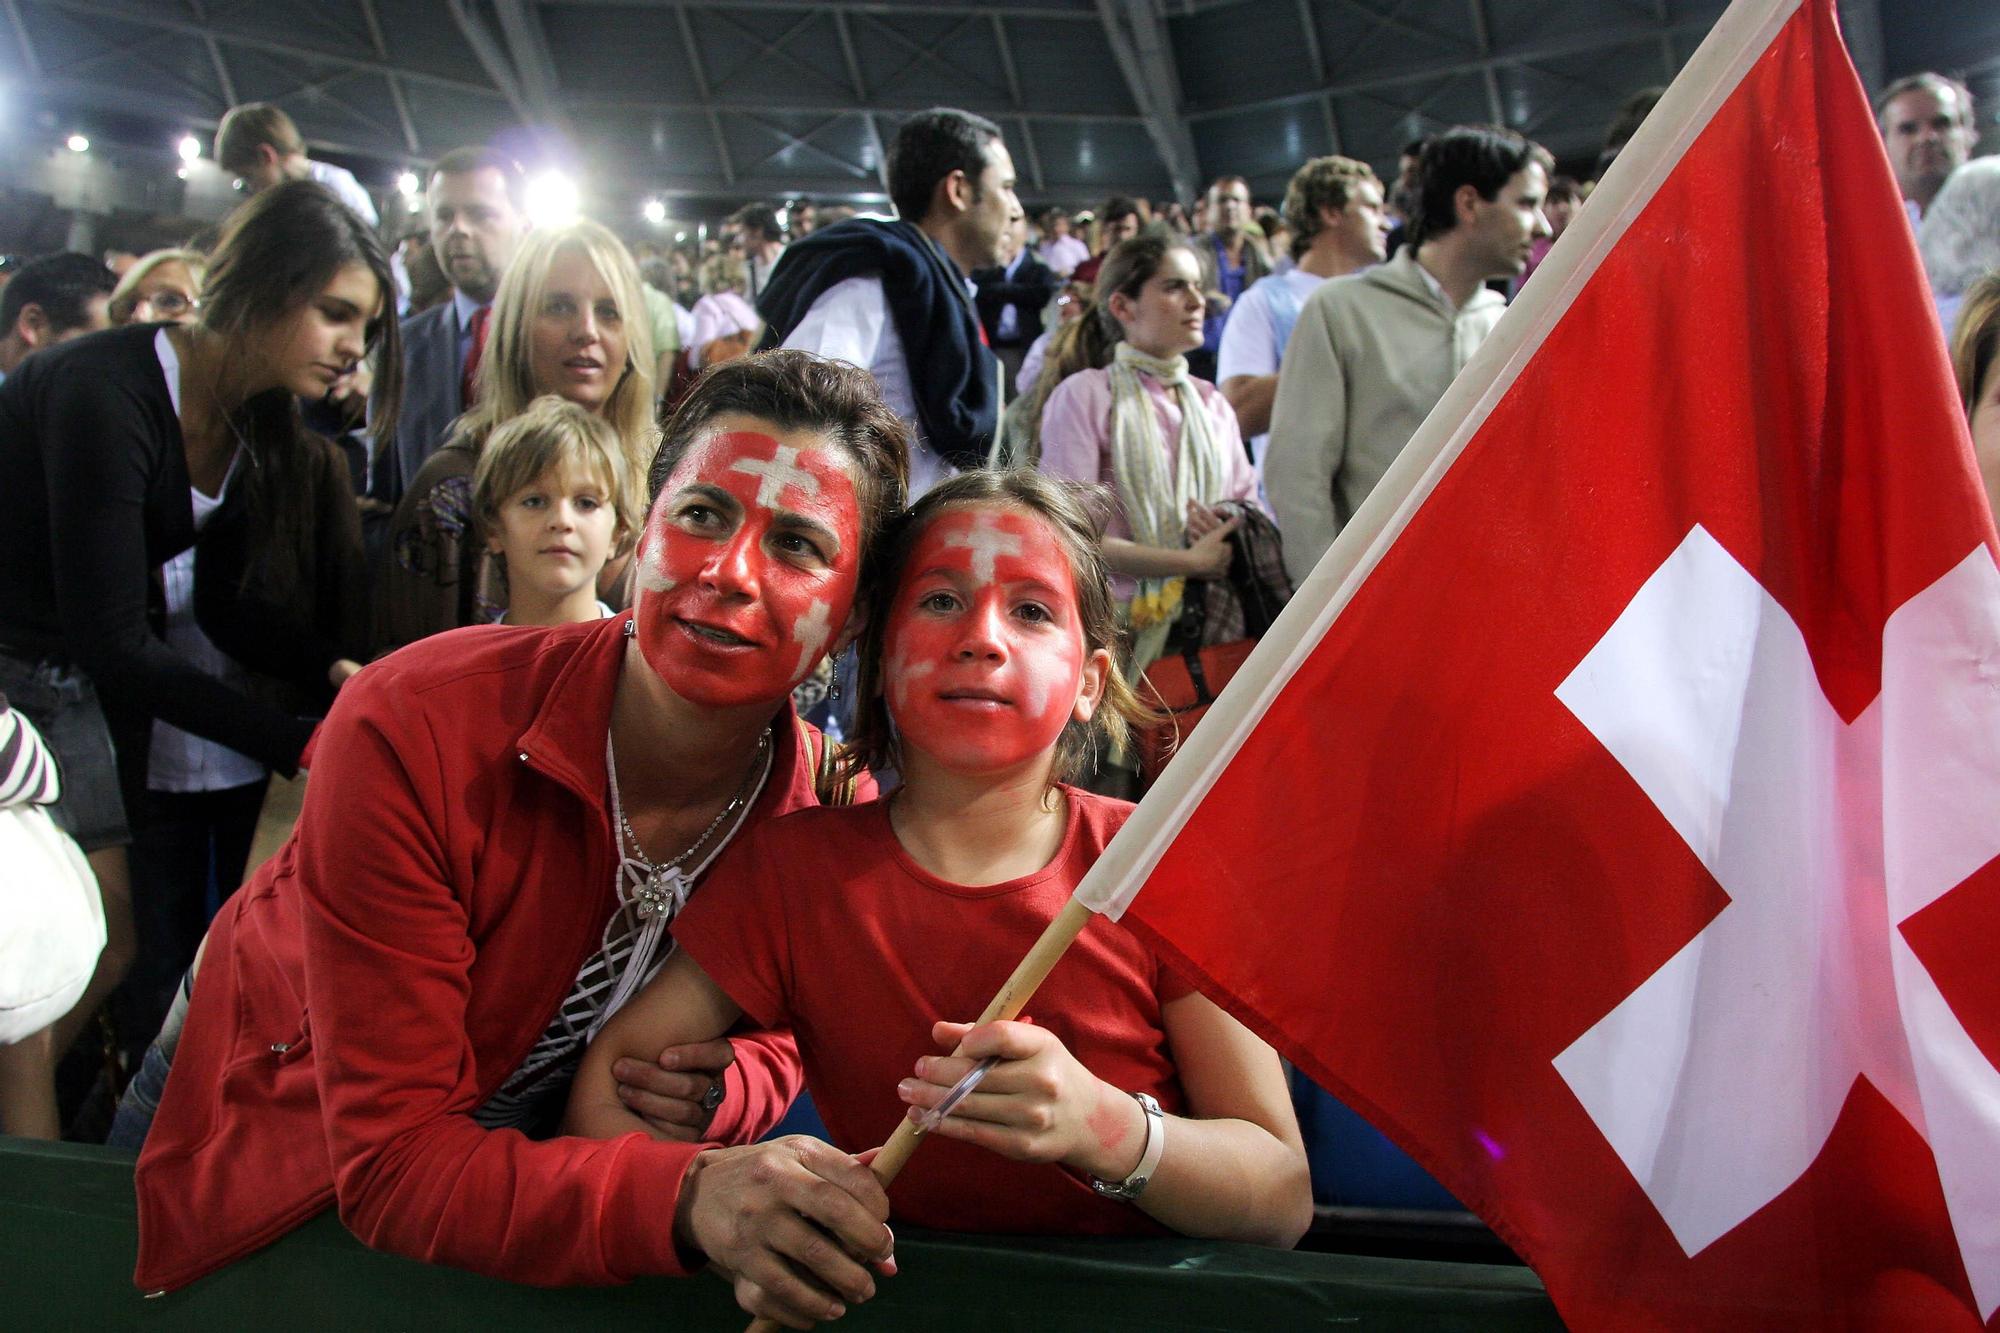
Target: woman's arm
{"type": "Point", "coordinates": [1233, 1168]}
{"type": "Point", "coordinates": [679, 1006]}
{"type": "Point", "coordinates": [1207, 557]}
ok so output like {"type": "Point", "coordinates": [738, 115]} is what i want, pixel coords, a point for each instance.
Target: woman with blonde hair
{"type": "Point", "coordinates": [1975, 358]}
{"type": "Point", "coordinates": [569, 319]}
{"type": "Point", "coordinates": [159, 288]}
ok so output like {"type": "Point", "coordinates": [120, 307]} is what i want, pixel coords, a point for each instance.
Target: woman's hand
{"type": "Point", "coordinates": [342, 671]}
{"type": "Point", "coordinates": [1038, 1104]}
{"type": "Point", "coordinates": [794, 1223]}
{"type": "Point", "coordinates": [1209, 555]}
{"type": "Point", "coordinates": [672, 1096]}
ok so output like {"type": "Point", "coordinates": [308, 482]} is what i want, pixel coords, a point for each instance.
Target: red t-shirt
{"type": "Point", "coordinates": [821, 921]}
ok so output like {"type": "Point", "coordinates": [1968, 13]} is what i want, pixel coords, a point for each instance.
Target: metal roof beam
{"type": "Point", "coordinates": [28, 56]}
{"type": "Point", "coordinates": [534, 66]}
{"type": "Point", "coordinates": [289, 50]}
{"type": "Point", "coordinates": [1556, 49]}
{"type": "Point", "coordinates": [925, 8]}
{"type": "Point", "coordinates": [396, 95]}
{"type": "Point", "coordinates": [707, 105]}
{"type": "Point", "coordinates": [1013, 77]}
{"type": "Point", "coordinates": [1139, 43]}
{"type": "Point", "coordinates": [491, 58]}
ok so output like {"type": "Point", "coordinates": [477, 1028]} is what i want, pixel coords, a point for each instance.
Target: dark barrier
{"type": "Point", "coordinates": [68, 1237]}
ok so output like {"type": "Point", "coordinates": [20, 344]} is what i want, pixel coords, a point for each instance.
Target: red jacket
{"type": "Point", "coordinates": [393, 963]}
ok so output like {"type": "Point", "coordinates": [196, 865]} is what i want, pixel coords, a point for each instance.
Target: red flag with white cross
{"type": "Point", "coordinates": [1612, 816]}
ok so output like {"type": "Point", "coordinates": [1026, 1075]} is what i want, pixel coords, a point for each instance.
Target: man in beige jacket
{"type": "Point", "coordinates": [1373, 352]}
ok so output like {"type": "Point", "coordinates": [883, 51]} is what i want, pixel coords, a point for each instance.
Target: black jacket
{"type": "Point", "coordinates": [953, 374]}
{"type": "Point", "coordinates": [1028, 291]}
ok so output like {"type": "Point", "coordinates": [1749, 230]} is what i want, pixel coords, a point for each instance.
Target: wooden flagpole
{"type": "Point", "coordinates": [1008, 1002]}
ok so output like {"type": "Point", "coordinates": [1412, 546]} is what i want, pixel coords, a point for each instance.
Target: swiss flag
{"type": "Point", "coordinates": [1612, 816]}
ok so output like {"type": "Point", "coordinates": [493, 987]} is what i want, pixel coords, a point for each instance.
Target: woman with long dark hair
{"type": "Point", "coordinates": [121, 451]}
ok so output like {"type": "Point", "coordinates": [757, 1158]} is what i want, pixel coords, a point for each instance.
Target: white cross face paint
{"type": "Point", "coordinates": [776, 473]}
{"type": "Point", "coordinates": [811, 632]}
{"type": "Point", "coordinates": [987, 542]}
{"type": "Point", "coordinates": [652, 572]}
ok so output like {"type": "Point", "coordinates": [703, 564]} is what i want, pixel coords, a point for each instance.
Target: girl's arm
{"type": "Point", "coordinates": [1233, 1168]}
{"type": "Point", "coordinates": [679, 1006]}
{"type": "Point", "coordinates": [1207, 557]}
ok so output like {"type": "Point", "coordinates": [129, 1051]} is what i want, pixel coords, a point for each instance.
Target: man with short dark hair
{"type": "Point", "coordinates": [1011, 297]}
{"type": "Point", "coordinates": [1372, 353]}
{"type": "Point", "coordinates": [1231, 260]}
{"type": "Point", "coordinates": [1118, 221]}
{"type": "Point", "coordinates": [1928, 127]}
{"type": "Point", "coordinates": [51, 300]}
{"type": "Point", "coordinates": [477, 219]}
{"type": "Point", "coordinates": [763, 238]}
{"type": "Point", "coordinates": [258, 143]}
{"type": "Point", "coordinates": [1334, 210]}
{"type": "Point", "coordinates": [894, 297]}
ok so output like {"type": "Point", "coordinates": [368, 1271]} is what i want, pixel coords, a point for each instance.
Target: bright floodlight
{"type": "Point", "coordinates": [189, 148]}
{"type": "Point", "coordinates": [655, 212]}
{"type": "Point", "coordinates": [78, 144]}
{"type": "Point", "coordinates": [552, 199]}
{"type": "Point", "coordinates": [407, 184]}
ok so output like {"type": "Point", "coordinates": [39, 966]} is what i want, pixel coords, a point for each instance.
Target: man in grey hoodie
{"type": "Point", "coordinates": [1373, 352]}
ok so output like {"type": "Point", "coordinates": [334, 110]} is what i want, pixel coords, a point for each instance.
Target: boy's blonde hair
{"type": "Point", "coordinates": [554, 432]}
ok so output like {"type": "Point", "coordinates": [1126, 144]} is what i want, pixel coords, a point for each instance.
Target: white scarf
{"type": "Point", "coordinates": [1156, 504]}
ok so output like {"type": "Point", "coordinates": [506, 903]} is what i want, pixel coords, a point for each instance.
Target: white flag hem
{"type": "Point", "coordinates": [1739, 39]}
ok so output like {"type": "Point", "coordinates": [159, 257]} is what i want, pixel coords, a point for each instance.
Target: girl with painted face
{"type": "Point", "coordinates": [988, 673]}
{"type": "Point", "coordinates": [569, 319]}
{"type": "Point", "coordinates": [500, 825]}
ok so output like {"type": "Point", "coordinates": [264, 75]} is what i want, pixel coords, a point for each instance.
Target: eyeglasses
{"type": "Point", "coordinates": [172, 303]}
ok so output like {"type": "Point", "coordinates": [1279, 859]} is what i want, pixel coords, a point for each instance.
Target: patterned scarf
{"type": "Point", "coordinates": [1156, 504]}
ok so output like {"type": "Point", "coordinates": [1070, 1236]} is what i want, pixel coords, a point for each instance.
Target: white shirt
{"type": "Point", "coordinates": [1250, 339]}
{"type": "Point", "coordinates": [179, 761]}
{"type": "Point", "coordinates": [758, 273]}
{"type": "Point", "coordinates": [341, 181]}
{"type": "Point", "coordinates": [851, 322]}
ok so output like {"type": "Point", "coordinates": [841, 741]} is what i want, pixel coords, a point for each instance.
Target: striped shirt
{"type": "Point", "coordinates": [27, 769]}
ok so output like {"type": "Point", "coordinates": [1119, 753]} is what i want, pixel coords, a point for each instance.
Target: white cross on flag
{"type": "Point", "coordinates": [1612, 816]}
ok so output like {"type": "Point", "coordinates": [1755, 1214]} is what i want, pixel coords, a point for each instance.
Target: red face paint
{"type": "Point", "coordinates": [984, 643]}
{"type": "Point", "coordinates": [747, 567]}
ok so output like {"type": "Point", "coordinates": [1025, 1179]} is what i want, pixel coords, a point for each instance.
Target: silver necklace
{"type": "Point", "coordinates": [658, 887]}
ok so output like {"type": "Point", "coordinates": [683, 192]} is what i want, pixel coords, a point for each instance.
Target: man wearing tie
{"type": "Point", "coordinates": [476, 221]}
{"type": "Point", "coordinates": [1011, 298]}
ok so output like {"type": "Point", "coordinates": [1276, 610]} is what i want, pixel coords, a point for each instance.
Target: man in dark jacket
{"type": "Point", "coordinates": [893, 297]}
{"type": "Point", "coordinates": [1011, 298]}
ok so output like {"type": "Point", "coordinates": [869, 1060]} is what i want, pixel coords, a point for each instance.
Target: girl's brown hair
{"type": "Point", "coordinates": [1074, 513]}
{"type": "Point", "coordinates": [1976, 339]}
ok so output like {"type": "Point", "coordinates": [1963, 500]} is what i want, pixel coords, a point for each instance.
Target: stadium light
{"type": "Point", "coordinates": [655, 212]}
{"type": "Point", "coordinates": [189, 148]}
{"type": "Point", "coordinates": [553, 199]}
{"type": "Point", "coordinates": [78, 144]}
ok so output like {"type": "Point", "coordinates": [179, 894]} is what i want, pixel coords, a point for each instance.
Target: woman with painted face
{"type": "Point", "coordinates": [987, 675]}
{"type": "Point", "coordinates": [174, 525]}
{"type": "Point", "coordinates": [501, 823]}
{"type": "Point", "coordinates": [569, 319]}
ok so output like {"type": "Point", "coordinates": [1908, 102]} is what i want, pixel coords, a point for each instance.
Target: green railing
{"type": "Point", "coordinates": [68, 1237]}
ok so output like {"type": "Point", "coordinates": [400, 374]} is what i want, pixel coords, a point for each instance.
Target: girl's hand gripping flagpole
{"type": "Point", "coordinates": [1012, 997]}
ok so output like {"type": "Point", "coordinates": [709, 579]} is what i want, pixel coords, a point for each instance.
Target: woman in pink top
{"type": "Point", "coordinates": [1133, 419]}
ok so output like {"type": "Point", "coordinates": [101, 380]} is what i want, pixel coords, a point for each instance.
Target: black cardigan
{"type": "Point", "coordinates": [94, 472]}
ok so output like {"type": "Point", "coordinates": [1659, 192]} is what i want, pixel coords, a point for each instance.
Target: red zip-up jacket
{"type": "Point", "coordinates": [388, 969]}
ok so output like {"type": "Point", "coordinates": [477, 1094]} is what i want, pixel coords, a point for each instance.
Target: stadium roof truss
{"type": "Point", "coordinates": [773, 97]}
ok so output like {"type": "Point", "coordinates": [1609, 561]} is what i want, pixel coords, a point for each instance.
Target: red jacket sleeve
{"type": "Point", "coordinates": [388, 962]}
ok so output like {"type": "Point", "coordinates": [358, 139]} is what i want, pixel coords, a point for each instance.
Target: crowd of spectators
{"type": "Point", "coordinates": [244, 472]}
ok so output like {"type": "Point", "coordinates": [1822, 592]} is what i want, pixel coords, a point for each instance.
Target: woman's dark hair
{"type": "Point", "coordinates": [797, 391]}
{"type": "Point", "coordinates": [1482, 156]}
{"type": "Point", "coordinates": [275, 255]}
{"type": "Point", "coordinates": [279, 251]}
{"type": "Point", "coordinates": [1075, 513]}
